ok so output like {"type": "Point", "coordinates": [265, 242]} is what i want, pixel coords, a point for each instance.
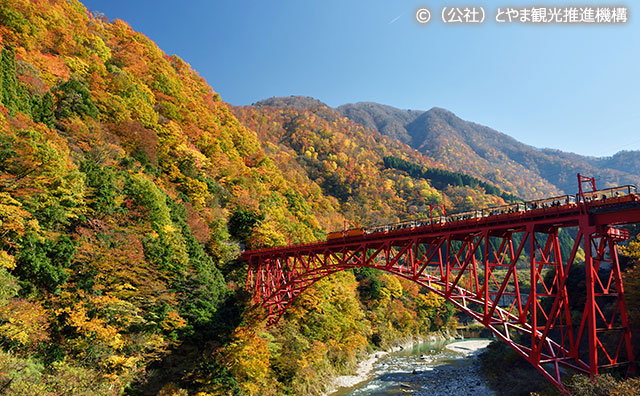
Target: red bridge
{"type": "Point", "coordinates": [502, 266]}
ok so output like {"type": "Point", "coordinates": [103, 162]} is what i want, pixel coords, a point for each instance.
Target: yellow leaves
{"type": "Point", "coordinates": [98, 47]}
{"type": "Point", "coordinates": [247, 357]}
{"type": "Point", "coordinates": [120, 362]}
{"type": "Point", "coordinates": [7, 261]}
{"type": "Point", "coordinates": [388, 184]}
{"type": "Point", "coordinates": [142, 110]}
{"type": "Point", "coordinates": [112, 108]}
{"type": "Point", "coordinates": [268, 233]}
{"type": "Point", "coordinates": [632, 251]}
{"type": "Point", "coordinates": [429, 300]}
{"type": "Point", "coordinates": [172, 390]}
{"type": "Point", "coordinates": [23, 322]}
{"type": "Point", "coordinates": [194, 156]}
{"type": "Point", "coordinates": [197, 191]}
{"type": "Point", "coordinates": [76, 316]}
{"type": "Point", "coordinates": [126, 286]}
{"type": "Point", "coordinates": [77, 65]}
{"type": "Point", "coordinates": [167, 228]}
{"type": "Point", "coordinates": [310, 301]}
{"type": "Point", "coordinates": [354, 342]}
{"type": "Point", "coordinates": [392, 284]}
{"type": "Point", "coordinates": [14, 221]}
{"type": "Point", "coordinates": [385, 297]}
{"type": "Point", "coordinates": [408, 184]}
{"type": "Point", "coordinates": [317, 353]}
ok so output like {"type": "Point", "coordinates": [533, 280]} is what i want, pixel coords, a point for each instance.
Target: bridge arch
{"type": "Point", "coordinates": [509, 275]}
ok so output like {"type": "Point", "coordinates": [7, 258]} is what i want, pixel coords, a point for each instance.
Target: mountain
{"type": "Point", "coordinates": [492, 155]}
{"type": "Point", "coordinates": [352, 163]}
{"type": "Point", "coordinates": [297, 102]}
{"type": "Point", "coordinates": [625, 161]}
{"type": "Point", "coordinates": [388, 120]}
{"type": "Point", "coordinates": [127, 190]}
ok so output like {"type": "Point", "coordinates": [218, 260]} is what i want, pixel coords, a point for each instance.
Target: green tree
{"type": "Point", "coordinates": [9, 79]}
{"type": "Point", "coordinates": [46, 110]}
{"type": "Point", "coordinates": [242, 222]}
{"type": "Point", "coordinates": [101, 181]}
{"type": "Point", "coordinates": [42, 262]}
{"type": "Point", "coordinates": [74, 98]}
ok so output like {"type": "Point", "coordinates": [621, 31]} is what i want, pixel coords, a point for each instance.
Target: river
{"type": "Point", "coordinates": [438, 368]}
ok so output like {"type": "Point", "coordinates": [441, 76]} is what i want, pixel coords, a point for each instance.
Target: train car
{"type": "Point", "coordinates": [355, 232]}
{"type": "Point", "coordinates": [335, 235]}
{"type": "Point", "coordinates": [609, 196]}
{"type": "Point", "coordinates": [612, 196]}
{"type": "Point", "coordinates": [345, 234]}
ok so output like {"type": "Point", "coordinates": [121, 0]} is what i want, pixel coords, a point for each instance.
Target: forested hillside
{"type": "Point", "coordinates": [348, 162]}
{"type": "Point", "coordinates": [127, 190]}
{"type": "Point", "coordinates": [490, 155]}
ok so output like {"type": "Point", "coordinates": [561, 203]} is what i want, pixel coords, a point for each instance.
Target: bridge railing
{"type": "Point", "coordinates": [526, 206]}
{"type": "Point", "coordinates": [598, 197]}
{"type": "Point", "coordinates": [610, 193]}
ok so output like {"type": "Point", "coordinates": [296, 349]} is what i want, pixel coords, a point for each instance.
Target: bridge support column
{"type": "Point", "coordinates": [605, 315]}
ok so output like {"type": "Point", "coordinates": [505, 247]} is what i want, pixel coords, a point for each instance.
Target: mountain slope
{"type": "Point", "coordinates": [494, 156]}
{"type": "Point", "coordinates": [350, 163]}
{"type": "Point", "coordinates": [388, 120]}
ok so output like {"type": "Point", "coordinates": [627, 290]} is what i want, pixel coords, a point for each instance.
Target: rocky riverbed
{"type": "Point", "coordinates": [435, 369]}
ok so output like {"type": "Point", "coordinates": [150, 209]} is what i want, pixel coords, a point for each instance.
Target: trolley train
{"type": "Point", "coordinates": [594, 199]}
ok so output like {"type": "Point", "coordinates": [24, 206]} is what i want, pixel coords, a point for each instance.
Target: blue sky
{"type": "Point", "coordinates": [570, 87]}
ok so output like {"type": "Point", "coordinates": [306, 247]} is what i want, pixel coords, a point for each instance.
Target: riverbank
{"type": "Point", "coordinates": [365, 367]}
{"type": "Point", "coordinates": [451, 369]}
{"type": "Point", "coordinates": [468, 348]}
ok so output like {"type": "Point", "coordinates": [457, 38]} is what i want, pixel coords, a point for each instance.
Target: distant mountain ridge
{"type": "Point", "coordinates": [492, 155]}
{"type": "Point", "coordinates": [298, 102]}
{"type": "Point", "coordinates": [481, 151]}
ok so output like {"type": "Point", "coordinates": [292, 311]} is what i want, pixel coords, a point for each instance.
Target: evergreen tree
{"type": "Point", "coordinates": [23, 99]}
{"type": "Point", "coordinates": [9, 79]}
{"type": "Point", "coordinates": [75, 99]}
{"type": "Point", "coordinates": [36, 108]}
{"type": "Point", "coordinates": [47, 107]}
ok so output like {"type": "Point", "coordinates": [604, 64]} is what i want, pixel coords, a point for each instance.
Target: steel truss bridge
{"type": "Point", "coordinates": [504, 268]}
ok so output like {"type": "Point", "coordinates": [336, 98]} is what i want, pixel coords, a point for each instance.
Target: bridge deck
{"type": "Point", "coordinates": [621, 211]}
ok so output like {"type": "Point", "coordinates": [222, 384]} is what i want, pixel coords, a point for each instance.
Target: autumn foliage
{"type": "Point", "coordinates": [128, 189]}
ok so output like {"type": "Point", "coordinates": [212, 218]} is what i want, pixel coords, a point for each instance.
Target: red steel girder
{"type": "Point", "coordinates": [480, 267]}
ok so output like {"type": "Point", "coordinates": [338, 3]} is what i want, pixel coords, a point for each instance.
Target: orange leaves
{"type": "Point", "coordinates": [173, 321]}
{"type": "Point", "coordinates": [14, 222]}
{"type": "Point", "coordinates": [24, 322]}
